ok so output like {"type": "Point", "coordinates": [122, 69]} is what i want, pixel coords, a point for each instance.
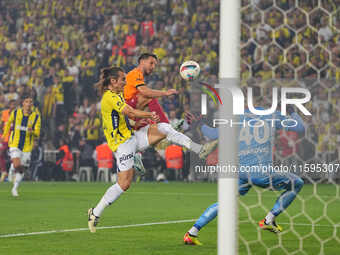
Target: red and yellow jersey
{"type": "Point", "coordinates": [134, 79]}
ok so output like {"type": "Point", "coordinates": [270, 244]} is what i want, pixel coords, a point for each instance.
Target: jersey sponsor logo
{"type": "Point", "coordinates": [21, 128]}
{"type": "Point", "coordinates": [253, 151]}
{"type": "Point", "coordinates": [125, 157]}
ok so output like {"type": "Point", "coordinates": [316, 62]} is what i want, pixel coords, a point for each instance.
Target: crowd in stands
{"type": "Point", "coordinates": [296, 44]}
{"type": "Point", "coordinates": [56, 48]}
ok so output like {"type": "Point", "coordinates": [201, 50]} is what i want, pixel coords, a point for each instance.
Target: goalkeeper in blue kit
{"type": "Point", "coordinates": [256, 167]}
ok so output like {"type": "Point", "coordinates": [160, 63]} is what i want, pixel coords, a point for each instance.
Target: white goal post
{"type": "Point", "coordinates": [229, 65]}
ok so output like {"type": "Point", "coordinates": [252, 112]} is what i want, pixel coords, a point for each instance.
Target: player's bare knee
{"type": "Point", "coordinates": [17, 166]}
{"type": "Point", "coordinates": [125, 184]}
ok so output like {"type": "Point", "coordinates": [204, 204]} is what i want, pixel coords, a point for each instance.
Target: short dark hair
{"type": "Point", "coordinates": [25, 96]}
{"type": "Point", "coordinates": [146, 56]}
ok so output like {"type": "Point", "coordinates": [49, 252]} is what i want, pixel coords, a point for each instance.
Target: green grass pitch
{"type": "Point", "coordinates": [48, 206]}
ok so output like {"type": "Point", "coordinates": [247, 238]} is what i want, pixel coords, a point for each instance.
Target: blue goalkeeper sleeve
{"type": "Point", "coordinates": [209, 214]}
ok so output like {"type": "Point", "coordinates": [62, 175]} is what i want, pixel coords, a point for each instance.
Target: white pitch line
{"type": "Point", "coordinates": [86, 229]}
{"type": "Point", "coordinates": [143, 225]}
{"type": "Point", "coordinates": [300, 224]}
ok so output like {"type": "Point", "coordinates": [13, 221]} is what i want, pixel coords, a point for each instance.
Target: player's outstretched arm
{"type": "Point", "coordinates": [153, 93]}
{"type": "Point", "coordinates": [135, 113]}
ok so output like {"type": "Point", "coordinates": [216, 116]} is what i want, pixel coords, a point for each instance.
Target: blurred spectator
{"type": "Point", "coordinates": [130, 41]}
{"type": "Point", "coordinates": [3, 152]}
{"type": "Point", "coordinates": [12, 93]}
{"type": "Point", "coordinates": [103, 156]}
{"type": "Point", "coordinates": [5, 116]}
{"type": "Point", "coordinates": [59, 134]}
{"type": "Point", "coordinates": [174, 161]}
{"type": "Point", "coordinates": [37, 156]}
{"type": "Point", "coordinates": [154, 163]}
{"type": "Point", "coordinates": [147, 27]}
{"type": "Point", "coordinates": [173, 119]}
{"type": "Point", "coordinates": [3, 68]}
{"type": "Point", "coordinates": [91, 127]}
{"type": "Point", "coordinates": [64, 161]}
{"type": "Point", "coordinates": [86, 154]}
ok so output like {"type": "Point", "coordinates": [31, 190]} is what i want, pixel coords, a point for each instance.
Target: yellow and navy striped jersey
{"type": "Point", "coordinates": [25, 129]}
{"type": "Point", "coordinates": [116, 126]}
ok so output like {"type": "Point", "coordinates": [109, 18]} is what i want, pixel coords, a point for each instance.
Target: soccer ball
{"type": "Point", "coordinates": [189, 70]}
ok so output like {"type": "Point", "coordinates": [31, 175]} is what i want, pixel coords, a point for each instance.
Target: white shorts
{"type": "Point", "coordinates": [25, 157]}
{"type": "Point", "coordinates": [125, 152]}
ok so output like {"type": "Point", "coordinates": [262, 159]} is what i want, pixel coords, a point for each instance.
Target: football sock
{"type": "Point", "coordinates": [193, 231]}
{"type": "Point", "coordinates": [270, 218]}
{"type": "Point", "coordinates": [11, 173]}
{"type": "Point", "coordinates": [209, 214]}
{"type": "Point", "coordinates": [111, 195]}
{"type": "Point", "coordinates": [18, 179]}
{"type": "Point", "coordinates": [176, 137]}
{"type": "Point", "coordinates": [154, 106]}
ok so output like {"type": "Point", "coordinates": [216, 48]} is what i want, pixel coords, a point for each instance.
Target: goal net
{"type": "Point", "coordinates": [288, 43]}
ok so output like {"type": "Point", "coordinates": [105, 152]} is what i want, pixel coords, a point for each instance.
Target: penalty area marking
{"type": "Point", "coordinates": [86, 229]}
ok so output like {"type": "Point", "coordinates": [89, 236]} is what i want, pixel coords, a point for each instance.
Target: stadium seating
{"type": "Point", "coordinates": [85, 174]}
{"type": "Point", "coordinates": [103, 175]}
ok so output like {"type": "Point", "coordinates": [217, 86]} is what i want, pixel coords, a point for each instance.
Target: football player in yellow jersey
{"type": "Point", "coordinates": [124, 142]}
{"type": "Point", "coordinates": [26, 128]}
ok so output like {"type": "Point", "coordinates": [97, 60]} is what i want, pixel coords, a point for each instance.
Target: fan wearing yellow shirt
{"type": "Point", "coordinates": [92, 126]}
{"type": "Point", "coordinates": [124, 142]}
{"type": "Point", "coordinates": [26, 128]}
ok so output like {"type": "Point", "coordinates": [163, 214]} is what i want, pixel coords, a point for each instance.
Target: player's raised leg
{"type": "Point", "coordinates": [160, 131]}
{"type": "Point", "coordinates": [191, 237]}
